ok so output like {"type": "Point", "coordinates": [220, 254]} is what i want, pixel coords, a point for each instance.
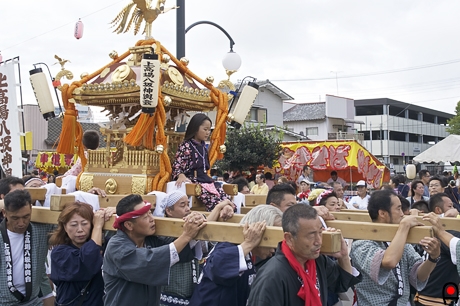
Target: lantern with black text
{"type": "Point", "coordinates": [150, 82]}
{"type": "Point", "coordinates": [244, 104]}
{"type": "Point", "coordinates": [42, 93]}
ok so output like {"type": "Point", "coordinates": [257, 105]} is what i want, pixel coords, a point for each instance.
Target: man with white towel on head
{"type": "Point", "coordinates": [184, 275]}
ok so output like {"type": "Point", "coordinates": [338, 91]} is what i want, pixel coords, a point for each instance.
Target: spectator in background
{"type": "Point", "coordinates": [302, 196]}
{"type": "Point", "coordinates": [260, 187]}
{"type": "Point", "coordinates": [335, 178]}
{"type": "Point", "coordinates": [90, 141]}
{"type": "Point", "coordinates": [328, 198]}
{"type": "Point", "coordinates": [441, 205]}
{"type": "Point", "coordinates": [452, 191]}
{"type": "Point", "coordinates": [283, 180]}
{"type": "Point", "coordinates": [421, 206]}
{"type": "Point", "coordinates": [282, 196]}
{"type": "Point", "coordinates": [307, 173]}
{"type": "Point", "coordinates": [338, 189]}
{"type": "Point", "coordinates": [361, 200]}
{"type": "Point", "coordinates": [226, 177]}
{"type": "Point", "coordinates": [424, 176]}
{"type": "Point", "coordinates": [51, 179]}
{"type": "Point", "coordinates": [242, 184]}
{"type": "Point", "coordinates": [269, 180]}
{"type": "Point", "coordinates": [405, 205]}
{"type": "Point", "coordinates": [401, 186]}
{"type": "Point", "coordinates": [252, 177]}
{"type": "Point", "coordinates": [417, 189]}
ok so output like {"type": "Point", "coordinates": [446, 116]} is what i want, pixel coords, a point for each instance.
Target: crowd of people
{"type": "Point", "coordinates": [131, 265]}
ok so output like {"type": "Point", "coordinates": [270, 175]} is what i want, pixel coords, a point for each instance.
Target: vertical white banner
{"type": "Point", "coordinates": [10, 148]}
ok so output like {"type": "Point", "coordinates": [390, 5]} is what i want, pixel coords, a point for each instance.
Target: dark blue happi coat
{"type": "Point", "coordinates": [221, 282]}
{"type": "Point", "coordinates": [71, 270]}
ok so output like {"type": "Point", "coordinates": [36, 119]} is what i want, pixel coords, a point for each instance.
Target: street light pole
{"type": "Point", "coordinates": [180, 29]}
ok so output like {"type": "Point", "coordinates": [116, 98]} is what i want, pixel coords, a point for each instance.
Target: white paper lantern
{"type": "Point", "coordinates": [42, 93]}
{"type": "Point", "coordinates": [411, 171]}
{"type": "Point", "coordinates": [244, 103]}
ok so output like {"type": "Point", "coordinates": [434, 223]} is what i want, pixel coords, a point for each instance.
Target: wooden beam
{"type": "Point", "coordinates": [351, 216]}
{"type": "Point", "coordinates": [255, 199]}
{"type": "Point", "coordinates": [195, 189]}
{"type": "Point", "coordinates": [362, 211]}
{"type": "Point", "coordinates": [58, 201]}
{"type": "Point", "coordinates": [362, 228]}
{"type": "Point", "coordinates": [447, 223]}
{"type": "Point", "coordinates": [37, 194]}
{"type": "Point", "coordinates": [378, 231]}
{"type": "Point", "coordinates": [245, 210]}
{"type": "Point", "coordinates": [214, 231]}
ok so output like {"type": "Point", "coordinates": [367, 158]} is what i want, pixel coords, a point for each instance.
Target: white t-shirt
{"type": "Point", "coordinates": [362, 202]}
{"type": "Point", "coordinates": [17, 254]}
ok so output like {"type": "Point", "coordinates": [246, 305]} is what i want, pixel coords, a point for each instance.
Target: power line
{"type": "Point", "coordinates": [374, 73]}
{"type": "Point", "coordinates": [44, 33]}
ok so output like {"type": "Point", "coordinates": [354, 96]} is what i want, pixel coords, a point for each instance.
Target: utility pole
{"type": "Point", "coordinates": [336, 80]}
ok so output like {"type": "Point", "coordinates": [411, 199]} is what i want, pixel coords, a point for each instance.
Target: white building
{"type": "Point", "coordinates": [332, 119]}
{"type": "Point", "coordinates": [395, 131]}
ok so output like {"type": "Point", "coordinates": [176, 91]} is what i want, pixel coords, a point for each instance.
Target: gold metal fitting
{"type": "Point", "coordinates": [223, 149]}
{"type": "Point", "coordinates": [167, 100]}
{"type": "Point", "coordinates": [230, 117]}
{"type": "Point", "coordinates": [84, 74]}
{"type": "Point", "coordinates": [210, 79]}
{"type": "Point", "coordinates": [159, 149]}
{"type": "Point", "coordinates": [166, 58]}
{"type": "Point", "coordinates": [184, 61]}
{"type": "Point", "coordinates": [113, 55]}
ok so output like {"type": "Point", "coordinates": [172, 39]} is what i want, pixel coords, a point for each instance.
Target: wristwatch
{"type": "Point", "coordinates": [435, 260]}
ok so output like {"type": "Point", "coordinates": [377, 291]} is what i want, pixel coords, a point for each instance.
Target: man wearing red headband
{"type": "Point", "coordinates": [299, 275]}
{"type": "Point", "coordinates": [136, 263]}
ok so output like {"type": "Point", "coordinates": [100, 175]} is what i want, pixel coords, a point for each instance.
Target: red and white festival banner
{"type": "Point", "coordinates": [10, 148]}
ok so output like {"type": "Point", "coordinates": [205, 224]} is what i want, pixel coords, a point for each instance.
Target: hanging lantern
{"type": "Point", "coordinates": [42, 93]}
{"type": "Point", "coordinates": [244, 104]}
{"type": "Point", "coordinates": [78, 29]}
{"type": "Point", "coordinates": [150, 82]}
{"type": "Point", "coordinates": [410, 171]}
{"type": "Point", "coordinates": [1, 58]}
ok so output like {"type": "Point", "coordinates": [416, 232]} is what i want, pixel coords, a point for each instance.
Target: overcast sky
{"type": "Point", "coordinates": [295, 44]}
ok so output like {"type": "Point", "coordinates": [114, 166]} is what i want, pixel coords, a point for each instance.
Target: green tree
{"type": "Point", "coordinates": [454, 122]}
{"type": "Point", "coordinates": [250, 146]}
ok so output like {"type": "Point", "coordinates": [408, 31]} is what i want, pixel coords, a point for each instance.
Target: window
{"type": "Point", "coordinates": [312, 131]}
{"type": "Point", "coordinates": [395, 161]}
{"type": "Point", "coordinates": [257, 115]}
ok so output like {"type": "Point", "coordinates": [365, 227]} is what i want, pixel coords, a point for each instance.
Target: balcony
{"type": "Point", "coordinates": [346, 136]}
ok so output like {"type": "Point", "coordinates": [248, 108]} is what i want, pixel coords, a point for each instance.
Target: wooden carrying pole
{"type": "Point", "coordinates": [214, 231]}
{"type": "Point", "coordinates": [368, 230]}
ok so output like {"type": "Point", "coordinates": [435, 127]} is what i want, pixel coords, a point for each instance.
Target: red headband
{"type": "Point", "coordinates": [130, 215]}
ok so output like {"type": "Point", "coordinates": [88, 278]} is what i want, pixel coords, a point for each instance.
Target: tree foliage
{"type": "Point", "coordinates": [250, 146]}
{"type": "Point", "coordinates": [454, 122]}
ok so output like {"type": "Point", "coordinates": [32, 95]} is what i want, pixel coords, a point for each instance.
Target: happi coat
{"type": "Point", "coordinates": [277, 283]}
{"type": "Point", "coordinates": [134, 276]}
